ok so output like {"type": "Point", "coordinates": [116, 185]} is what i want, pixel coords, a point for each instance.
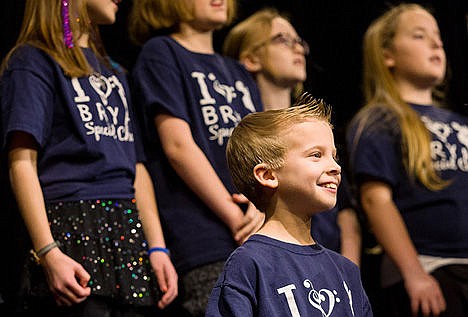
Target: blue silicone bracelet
{"type": "Point", "coordinates": [159, 249]}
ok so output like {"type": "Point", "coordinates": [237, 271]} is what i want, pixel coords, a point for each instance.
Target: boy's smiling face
{"type": "Point", "coordinates": [309, 179]}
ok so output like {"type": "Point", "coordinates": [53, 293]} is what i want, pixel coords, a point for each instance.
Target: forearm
{"type": "Point", "coordinates": [351, 240]}
{"type": "Point", "coordinates": [147, 208]}
{"type": "Point", "coordinates": [394, 238]}
{"type": "Point", "coordinates": [194, 168]}
{"type": "Point", "coordinates": [26, 187]}
{"type": "Point", "coordinates": [196, 171]}
{"type": "Point", "coordinates": [390, 230]}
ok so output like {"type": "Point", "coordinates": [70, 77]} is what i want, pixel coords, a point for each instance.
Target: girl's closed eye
{"type": "Point", "coordinates": [316, 154]}
{"type": "Point", "coordinates": [419, 35]}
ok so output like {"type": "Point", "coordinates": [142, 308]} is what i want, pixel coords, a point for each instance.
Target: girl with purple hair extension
{"type": "Point", "coordinates": [76, 169]}
{"type": "Point", "coordinates": [67, 33]}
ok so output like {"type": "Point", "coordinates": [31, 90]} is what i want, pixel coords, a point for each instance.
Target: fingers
{"type": "Point", "coordinates": [71, 294]}
{"type": "Point", "coordinates": [82, 276]}
{"type": "Point", "coordinates": [253, 220]}
{"type": "Point", "coordinates": [239, 199]}
{"type": "Point", "coordinates": [441, 302]}
{"type": "Point", "coordinates": [435, 306]}
{"type": "Point", "coordinates": [167, 278]}
{"type": "Point", "coordinates": [430, 304]}
{"type": "Point", "coordinates": [72, 290]}
{"type": "Point", "coordinates": [425, 308]}
{"type": "Point", "coordinates": [245, 230]}
{"type": "Point", "coordinates": [169, 295]}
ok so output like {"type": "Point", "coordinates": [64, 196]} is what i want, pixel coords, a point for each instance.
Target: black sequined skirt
{"type": "Point", "coordinates": [106, 237]}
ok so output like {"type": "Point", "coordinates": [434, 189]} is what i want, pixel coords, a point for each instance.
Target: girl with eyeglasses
{"type": "Point", "coordinates": [269, 47]}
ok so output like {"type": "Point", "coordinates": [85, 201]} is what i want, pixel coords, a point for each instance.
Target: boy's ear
{"type": "Point", "coordinates": [251, 62]}
{"type": "Point", "coordinates": [265, 176]}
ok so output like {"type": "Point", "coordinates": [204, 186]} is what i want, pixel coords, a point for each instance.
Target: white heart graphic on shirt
{"type": "Point", "coordinates": [101, 85]}
{"type": "Point", "coordinates": [323, 300]}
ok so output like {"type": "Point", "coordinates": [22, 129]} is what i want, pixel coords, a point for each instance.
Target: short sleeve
{"type": "Point", "coordinates": [227, 301]}
{"type": "Point", "coordinates": [158, 82]}
{"type": "Point", "coordinates": [375, 155]}
{"type": "Point", "coordinates": [234, 292]}
{"type": "Point", "coordinates": [27, 96]}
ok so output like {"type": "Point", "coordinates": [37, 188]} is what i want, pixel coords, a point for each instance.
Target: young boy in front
{"type": "Point", "coordinates": [284, 161]}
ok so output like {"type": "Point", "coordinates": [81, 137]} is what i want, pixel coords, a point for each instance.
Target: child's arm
{"type": "Point", "coordinates": [67, 278]}
{"type": "Point", "coordinates": [148, 212]}
{"type": "Point", "coordinates": [191, 164]}
{"type": "Point", "coordinates": [350, 235]}
{"type": "Point", "coordinates": [390, 230]}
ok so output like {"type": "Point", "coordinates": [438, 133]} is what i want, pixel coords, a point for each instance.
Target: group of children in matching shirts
{"type": "Point", "coordinates": [207, 205]}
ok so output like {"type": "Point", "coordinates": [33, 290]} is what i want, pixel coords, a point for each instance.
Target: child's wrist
{"type": "Point", "coordinates": [37, 255]}
{"type": "Point", "coordinates": [159, 249]}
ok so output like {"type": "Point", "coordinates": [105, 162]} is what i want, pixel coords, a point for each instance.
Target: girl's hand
{"type": "Point", "coordinates": [67, 279]}
{"type": "Point", "coordinates": [252, 221]}
{"type": "Point", "coordinates": [166, 276]}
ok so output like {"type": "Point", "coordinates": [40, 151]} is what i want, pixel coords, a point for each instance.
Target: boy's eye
{"type": "Point", "coordinates": [317, 154]}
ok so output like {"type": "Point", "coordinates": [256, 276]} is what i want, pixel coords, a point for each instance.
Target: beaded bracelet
{"type": "Point", "coordinates": [159, 249]}
{"type": "Point", "coordinates": [43, 251]}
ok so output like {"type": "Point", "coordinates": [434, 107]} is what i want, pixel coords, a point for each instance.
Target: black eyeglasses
{"type": "Point", "coordinates": [286, 40]}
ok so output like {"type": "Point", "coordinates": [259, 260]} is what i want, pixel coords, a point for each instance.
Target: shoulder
{"type": "Point", "coordinates": [375, 120]}
{"type": "Point", "coordinates": [33, 63]}
{"type": "Point", "coordinates": [243, 269]}
{"type": "Point", "coordinates": [232, 62]}
{"type": "Point", "coordinates": [251, 256]}
{"type": "Point", "coordinates": [244, 256]}
{"type": "Point", "coordinates": [160, 45]}
{"type": "Point", "coordinates": [235, 65]}
{"type": "Point", "coordinates": [343, 264]}
{"type": "Point", "coordinates": [29, 57]}
{"type": "Point", "coordinates": [159, 50]}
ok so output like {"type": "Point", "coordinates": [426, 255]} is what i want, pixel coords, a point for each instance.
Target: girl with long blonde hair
{"type": "Point", "coordinates": [82, 191]}
{"type": "Point", "coordinates": [408, 161]}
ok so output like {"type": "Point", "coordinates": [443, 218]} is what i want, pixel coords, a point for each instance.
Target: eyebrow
{"type": "Point", "coordinates": [421, 28]}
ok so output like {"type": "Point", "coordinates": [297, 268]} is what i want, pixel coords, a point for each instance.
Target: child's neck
{"type": "Point", "coordinates": [291, 229]}
{"type": "Point", "coordinates": [414, 94]}
{"type": "Point", "coordinates": [82, 40]}
{"type": "Point", "coordinates": [273, 96]}
{"type": "Point", "coordinates": [194, 40]}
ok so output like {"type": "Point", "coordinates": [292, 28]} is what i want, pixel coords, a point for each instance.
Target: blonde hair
{"type": "Point", "coordinates": [243, 38]}
{"type": "Point", "coordinates": [246, 35]}
{"type": "Point", "coordinates": [42, 27]}
{"type": "Point", "coordinates": [385, 105]}
{"type": "Point", "coordinates": [148, 16]}
{"type": "Point", "coordinates": [258, 138]}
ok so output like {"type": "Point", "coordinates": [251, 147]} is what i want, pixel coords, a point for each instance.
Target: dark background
{"type": "Point", "coordinates": [334, 31]}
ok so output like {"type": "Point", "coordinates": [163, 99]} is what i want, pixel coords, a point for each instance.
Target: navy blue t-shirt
{"type": "Point", "coordinates": [82, 126]}
{"type": "Point", "coordinates": [211, 93]}
{"type": "Point", "coordinates": [437, 221]}
{"type": "Point", "coordinates": [266, 277]}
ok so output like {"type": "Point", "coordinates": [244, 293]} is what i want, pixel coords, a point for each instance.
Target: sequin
{"type": "Point", "coordinates": [106, 237]}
